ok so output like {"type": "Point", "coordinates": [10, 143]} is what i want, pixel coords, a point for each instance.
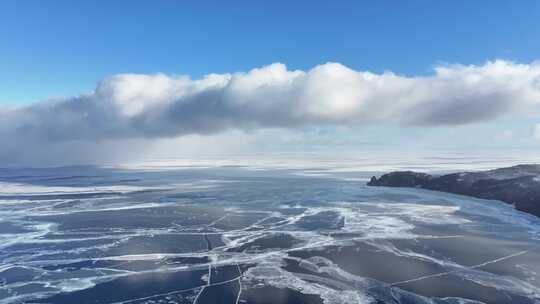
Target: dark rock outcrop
{"type": "Point", "coordinates": [518, 185]}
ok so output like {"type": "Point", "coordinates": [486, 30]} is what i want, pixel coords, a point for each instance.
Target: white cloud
{"type": "Point", "coordinates": [536, 131]}
{"type": "Point", "coordinates": [505, 135]}
{"type": "Point", "coordinates": [131, 106]}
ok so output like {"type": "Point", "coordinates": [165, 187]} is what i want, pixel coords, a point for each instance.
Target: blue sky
{"type": "Point", "coordinates": [61, 48]}
{"type": "Point", "coordinates": [56, 48]}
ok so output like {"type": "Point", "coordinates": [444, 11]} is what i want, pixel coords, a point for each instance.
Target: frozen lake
{"type": "Point", "coordinates": [234, 234]}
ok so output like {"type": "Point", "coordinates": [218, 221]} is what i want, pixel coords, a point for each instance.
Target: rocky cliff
{"type": "Point", "coordinates": [518, 185]}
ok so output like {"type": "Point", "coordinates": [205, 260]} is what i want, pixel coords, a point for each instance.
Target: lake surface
{"type": "Point", "coordinates": [251, 235]}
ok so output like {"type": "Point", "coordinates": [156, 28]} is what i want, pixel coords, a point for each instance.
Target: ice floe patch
{"type": "Point", "coordinates": [37, 230]}
{"type": "Point", "coordinates": [272, 275]}
{"type": "Point", "coordinates": [30, 189]}
{"type": "Point", "coordinates": [75, 284]}
{"type": "Point", "coordinates": [429, 214]}
{"type": "Point", "coordinates": [375, 226]}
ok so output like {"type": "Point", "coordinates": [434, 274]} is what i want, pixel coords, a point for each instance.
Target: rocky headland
{"type": "Point", "coordinates": [518, 185]}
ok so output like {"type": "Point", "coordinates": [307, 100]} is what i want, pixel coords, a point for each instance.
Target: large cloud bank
{"type": "Point", "coordinates": [129, 106]}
